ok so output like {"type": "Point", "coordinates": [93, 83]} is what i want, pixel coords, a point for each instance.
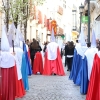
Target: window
{"type": "Point", "coordinates": [42, 38]}
{"type": "Point", "coordinates": [64, 5]}
{"type": "Point", "coordinates": [36, 34]}
{"type": "Point", "coordinates": [74, 23]}
{"type": "Point", "coordinates": [64, 1]}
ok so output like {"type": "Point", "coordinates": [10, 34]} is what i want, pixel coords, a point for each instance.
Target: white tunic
{"type": "Point", "coordinates": [7, 60]}
{"type": "Point", "coordinates": [52, 50]}
{"type": "Point", "coordinates": [90, 53]}
{"type": "Point", "coordinates": [18, 58]}
{"type": "Point", "coordinates": [81, 50]}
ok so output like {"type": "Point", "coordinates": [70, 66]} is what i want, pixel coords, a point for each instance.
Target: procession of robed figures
{"type": "Point", "coordinates": [18, 61]}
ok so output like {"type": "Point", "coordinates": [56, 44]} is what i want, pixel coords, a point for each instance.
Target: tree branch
{"type": "Point", "coordinates": [4, 6]}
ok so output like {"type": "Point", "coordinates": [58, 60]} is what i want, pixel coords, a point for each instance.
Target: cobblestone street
{"type": "Point", "coordinates": [52, 88]}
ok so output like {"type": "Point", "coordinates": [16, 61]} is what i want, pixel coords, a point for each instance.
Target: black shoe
{"type": "Point", "coordinates": [54, 74]}
{"type": "Point", "coordinates": [67, 69]}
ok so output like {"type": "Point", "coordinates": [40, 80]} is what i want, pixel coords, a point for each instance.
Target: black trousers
{"type": "Point", "coordinates": [65, 61]}
{"type": "Point", "coordinates": [69, 62]}
{"type": "Point", "coordinates": [61, 53]}
{"type": "Point", "coordinates": [32, 61]}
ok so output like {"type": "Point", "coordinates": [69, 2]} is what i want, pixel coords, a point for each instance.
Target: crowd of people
{"type": "Point", "coordinates": [25, 58]}
{"type": "Point", "coordinates": [67, 51]}
{"type": "Point", "coordinates": [19, 59]}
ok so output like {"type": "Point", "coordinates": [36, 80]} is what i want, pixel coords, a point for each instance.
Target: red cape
{"type": "Point", "coordinates": [11, 86]}
{"type": "Point", "coordinates": [53, 66]}
{"type": "Point", "coordinates": [0, 84]}
{"type": "Point", "coordinates": [20, 91]}
{"type": "Point", "coordinates": [94, 84]}
{"type": "Point", "coordinates": [8, 83]}
{"type": "Point", "coordinates": [38, 63]}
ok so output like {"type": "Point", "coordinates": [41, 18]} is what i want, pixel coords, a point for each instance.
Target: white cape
{"type": "Point", "coordinates": [52, 50]}
{"type": "Point", "coordinates": [90, 53]}
{"type": "Point", "coordinates": [81, 50]}
{"type": "Point", "coordinates": [7, 60]}
{"type": "Point", "coordinates": [18, 58]}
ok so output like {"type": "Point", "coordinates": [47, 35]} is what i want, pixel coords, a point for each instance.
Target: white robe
{"type": "Point", "coordinates": [90, 53]}
{"type": "Point", "coordinates": [18, 58]}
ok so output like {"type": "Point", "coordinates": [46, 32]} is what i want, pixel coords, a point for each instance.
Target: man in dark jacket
{"type": "Point", "coordinates": [66, 46]}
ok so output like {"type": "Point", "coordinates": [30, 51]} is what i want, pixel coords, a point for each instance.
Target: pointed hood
{"type": "Point", "coordinates": [11, 33]}
{"type": "Point", "coordinates": [17, 40]}
{"type": "Point", "coordinates": [21, 37]}
{"type": "Point", "coordinates": [81, 38]}
{"type": "Point", "coordinates": [52, 36]}
{"type": "Point", "coordinates": [4, 40]}
{"type": "Point", "coordinates": [93, 41]}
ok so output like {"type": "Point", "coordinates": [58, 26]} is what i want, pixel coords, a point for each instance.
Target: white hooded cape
{"type": "Point", "coordinates": [6, 58]}
{"type": "Point", "coordinates": [52, 50]}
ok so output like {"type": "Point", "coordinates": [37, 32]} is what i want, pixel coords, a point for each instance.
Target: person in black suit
{"type": "Point", "coordinates": [69, 54]}
{"type": "Point", "coordinates": [66, 46]}
{"type": "Point", "coordinates": [34, 47]}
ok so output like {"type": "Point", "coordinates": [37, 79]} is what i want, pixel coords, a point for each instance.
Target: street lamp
{"type": "Point", "coordinates": [88, 21]}
{"type": "Point", "coordinates": [81, 8]}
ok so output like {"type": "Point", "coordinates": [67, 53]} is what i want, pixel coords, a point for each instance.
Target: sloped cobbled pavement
{"type": "Point", "coordinates": [52, 88]}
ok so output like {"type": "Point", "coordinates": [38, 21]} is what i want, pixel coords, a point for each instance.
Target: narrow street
{"type": "Point", "coordinates": [52, 88]}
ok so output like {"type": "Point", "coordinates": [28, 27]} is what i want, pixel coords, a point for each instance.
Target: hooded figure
{"type": "Point", "coordinates": [7, 64]}
{"type": "Point", "coordinates": [94, 82]}
{"type": "Point", "coordinates": [90, 53]}
{"type": "Point", "coordinates": [22, 54]}
{"type": "Point", "coordinates": [20, 91]}
{"type": "Point", "coordinates": [11, 34]}
{"type": "Point", "coordinates": [82, 47]}
{"type": "Point", "coordinates": [53, 60]}
{"type": "Point", "coordinates": [79, 66]}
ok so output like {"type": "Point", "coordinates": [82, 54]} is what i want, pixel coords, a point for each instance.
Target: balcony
{"type": "Point", "coordinates": [60, 32]}
{"type": "Point", "coordinates": [60, 10]}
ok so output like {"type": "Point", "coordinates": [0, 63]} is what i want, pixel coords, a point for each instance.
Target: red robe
{"type": "Point", "coordinates": [94, 84]}
{"type": "Point", "coordinates": [20, 91]}
{"type": "Point", "coordinates": [38, 63]}
{"type": "Point", "coordinates": [11, 86]}
{"type": "Point", "coordinates": [8, 83]}
{"type": "Point", "coordinates": [0, 84]}
{"type": "Point", "coordinates": [53, 66]}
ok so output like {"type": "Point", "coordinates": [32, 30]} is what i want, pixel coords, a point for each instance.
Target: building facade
{"type": "Point", "coordinates": [61, 11]}
{"type": "Point", "coordinates": [94, 17]}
